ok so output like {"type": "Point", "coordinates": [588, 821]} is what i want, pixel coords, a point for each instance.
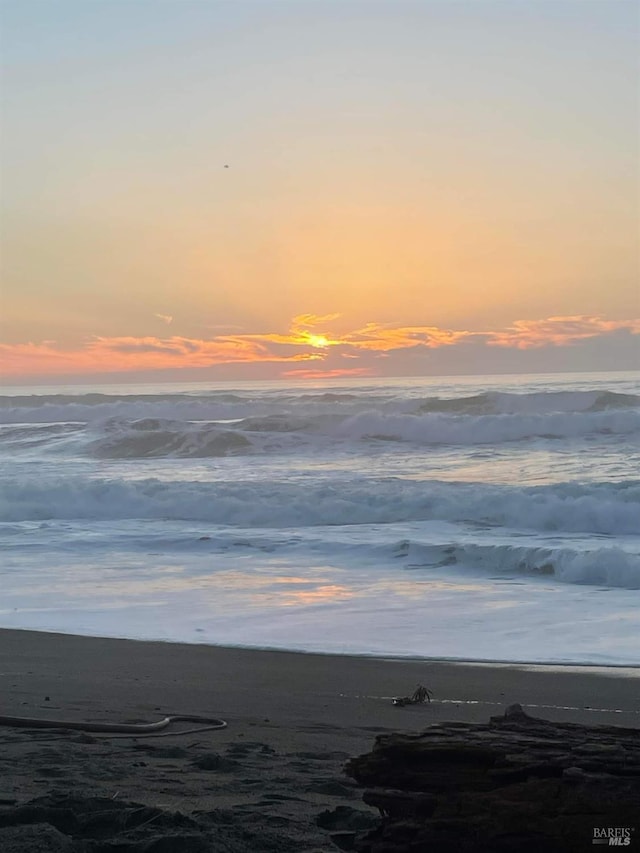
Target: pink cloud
{"type": "Point", "coordinates": [123, 354]}
{"type": "Point", "coordinates": [335, 373]}
{"type": "Point", "coordinates": [308, 340]}
{"type": "Point", "coordinates": [557, 331]}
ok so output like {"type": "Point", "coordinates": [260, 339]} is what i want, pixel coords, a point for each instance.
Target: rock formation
{"type": "Point", "coordinates": [515, 785]}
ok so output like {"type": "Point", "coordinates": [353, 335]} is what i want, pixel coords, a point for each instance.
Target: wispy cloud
{"type": "Point", "coordinates": [558, 331]}
{"type": "Point", "coordinates": [308, 339]}
{"type": "Point", "coordinates": [384, 338]}
{"type": "Point", "coordinates": [300, 332]}
{"type": "Point", "coordinates": [166, 318]}
{"type": "Point", "coordinates": [123, 354]}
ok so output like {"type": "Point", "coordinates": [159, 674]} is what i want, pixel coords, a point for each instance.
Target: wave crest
{"type": "Point", "coordinates": [611, 567]}
{"type": "Point", "coordinates": [603, 508]}
{"type": "Point", "coordinates": [151, 437]}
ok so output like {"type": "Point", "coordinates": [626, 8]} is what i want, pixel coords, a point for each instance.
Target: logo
{"type": "Point", "coordinates": [612, 836]}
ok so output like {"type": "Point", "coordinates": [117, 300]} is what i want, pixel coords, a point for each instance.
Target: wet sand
{"type": "Point", "coordinates": [293, 719]}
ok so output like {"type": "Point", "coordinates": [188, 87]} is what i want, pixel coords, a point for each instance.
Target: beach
{"type": "Point", "coordinates": [319, 427]}
{"type": "Point", "coordinates": [292, 722]}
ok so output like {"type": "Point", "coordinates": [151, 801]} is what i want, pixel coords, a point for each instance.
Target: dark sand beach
{"type": "Point", "coordinates": [267, 780]}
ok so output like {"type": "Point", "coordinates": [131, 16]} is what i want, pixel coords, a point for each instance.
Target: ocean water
{"type": "Point", "coordinates": [477, 518]}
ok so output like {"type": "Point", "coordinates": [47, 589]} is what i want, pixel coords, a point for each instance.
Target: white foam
{"type": "Point", "coordinates": [162, 436]}
{"type": "Point", "coordinates": [598, 508]}
{"type": "Point", "coordinates": [87, 408]}
{"type": "Point", "coordinates": [292, 603]}
{"type": "Point", "coordinates": [603, 566]}
{"type": "Point", "coordinates": [486, 429]}
{"type": "Point", "coordinates": [536, 402]}
{"type": "Point", "coordinates": [488, 519]}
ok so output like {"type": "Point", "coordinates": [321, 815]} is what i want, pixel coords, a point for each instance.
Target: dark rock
{"type": "Point", "coordinates": [401, 802]}
{"type": "Point", "coordinates": [515, 785]}
{"type": "Point", "coordinates": [345, 818]}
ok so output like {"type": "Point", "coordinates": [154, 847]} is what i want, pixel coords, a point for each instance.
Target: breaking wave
{"type": "Point", "coordinates": [611, 567]}
{"type": "Point", "coordinates": [156, 438]}
{"type": "Point", "coordinates": [87, 408]}
{"type": "Point", "coordinates": [486, 429]}
{"type": "Point", "coordinates": [543, 402]}
{"type": "Point", "coordinates": [602, 508]}
{"type": "Point", "coordinates": [118, 437]}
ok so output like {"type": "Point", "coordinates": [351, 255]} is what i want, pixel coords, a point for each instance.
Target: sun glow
{"type": "Point", "coordinates": [318, 341]}
{"type": "Point", "coordinates": [348, 353]}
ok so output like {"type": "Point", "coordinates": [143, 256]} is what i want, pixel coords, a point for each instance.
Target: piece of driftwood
{"type": "Point", "coordinates": [517, 784]}
{"type": "Point", "coordinates": [419, 696]}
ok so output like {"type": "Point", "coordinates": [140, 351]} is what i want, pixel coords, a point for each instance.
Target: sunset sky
{"type": "Point", "coordinates": [304, 188]}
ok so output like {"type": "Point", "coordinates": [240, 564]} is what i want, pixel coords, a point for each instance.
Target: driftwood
{"type": "Point", "coordinates": [419, 696]}
{"type": "Point", "coordinates": [515, 785]}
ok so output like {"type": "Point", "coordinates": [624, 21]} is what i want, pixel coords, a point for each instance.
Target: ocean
{"type": "Point", "coordinates": [475, 518]}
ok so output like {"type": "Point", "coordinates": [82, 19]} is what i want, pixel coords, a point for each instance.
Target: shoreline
{"type": "Point", "coordinates": [630, 669]}
{"type": "Point", "coordinates": [293, 677]}
{"type": "Point", "coordinates": [273, 779]}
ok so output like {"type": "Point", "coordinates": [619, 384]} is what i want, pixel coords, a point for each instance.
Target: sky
{"type": "Point", "coordinates": [318, 188]}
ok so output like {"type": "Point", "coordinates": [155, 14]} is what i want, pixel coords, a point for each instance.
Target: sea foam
{"type": "Point", "coordinates": [374, 517]}
{"type": "Point", "coordinates": [598, 508]}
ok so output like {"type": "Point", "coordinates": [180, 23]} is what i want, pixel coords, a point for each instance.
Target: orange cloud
{"type": "Point", "coordinates": [557, 331]}
{"type": "Point", "coordinates": [307, 340]}
{"type": "Point", "coordinates": [310, 321]}
{"type": "Point", "coordinates": [373, 336]}
{"type": "Point", "coordinates": [122, 354]}
{"type": "Point", "coordinates": [383, 339]}
{"type": "Point", "coordinates": [299, 334]}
